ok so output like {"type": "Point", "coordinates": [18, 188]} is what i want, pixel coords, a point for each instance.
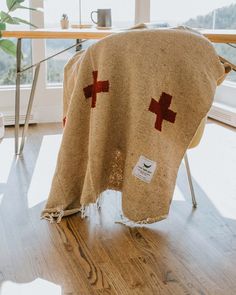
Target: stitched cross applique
{"type": "Point", "coordinates": [96, 87]}
{"type": "Point", "coordinates": [161, 109]}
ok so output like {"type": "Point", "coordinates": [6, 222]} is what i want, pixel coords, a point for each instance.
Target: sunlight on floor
{"type": "Point", "coordinates": [1, 198]}
{"type": "Point", "coordinates": [178, 195]}
{"type": "Point", "coordinates": [7, 157]}
{"type": "Point", "coordinates": [213, 166]}
{"type": "Point", "coordinates": [37, 287]}
{"type": "Point", "coordinates": [44, 170]}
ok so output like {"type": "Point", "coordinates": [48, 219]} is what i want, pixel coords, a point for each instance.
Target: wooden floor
{"type": "Point", "coordinates": [192, 252]}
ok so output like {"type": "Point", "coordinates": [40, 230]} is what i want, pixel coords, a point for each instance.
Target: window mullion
{"type": "Point", "coordinates": [38, 45]}
{"type": "Point", "coordinates": [142, 11]}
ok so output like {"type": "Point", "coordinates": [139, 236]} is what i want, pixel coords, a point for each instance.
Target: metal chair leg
{"type": "Point", "coordinates": [190, 181]}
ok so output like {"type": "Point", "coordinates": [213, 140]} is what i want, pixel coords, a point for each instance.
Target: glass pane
{"type": "Point", "coordinates": [8, 66]}
{"type": "Point", "coordinates": [55, 65]}
{"type": "Point", "coordinates": [7, 62]}
{"type": "Point", "coordinates": [123, 11]}
{"type": "Point", "coordinates": [195, 13]}
{"type": "Point", "coordinates": [52, 13]}
{"type": "Point", "coordinates": [52, 16]}
{"type": "Point", "coordinates": [229, 53]}
{"type": "Point", "coordinates": [217, 14]}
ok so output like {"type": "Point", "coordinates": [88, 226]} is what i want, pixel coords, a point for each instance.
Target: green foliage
{"type": "Point", "coordinates": [8, 46]}
{"type": "Point", "coordinates": [12, 5]}
{"type": "Point", "coordinates": [5, 18]}
{"type": "Point", "coordinates": [8, 66]}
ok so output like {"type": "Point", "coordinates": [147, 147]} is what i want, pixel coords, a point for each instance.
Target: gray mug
{"type": "Point", "coordinates": [103, 18]}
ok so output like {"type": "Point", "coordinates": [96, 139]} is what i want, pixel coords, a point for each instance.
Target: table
{"type": "Point", "coordinates": [216, 36]}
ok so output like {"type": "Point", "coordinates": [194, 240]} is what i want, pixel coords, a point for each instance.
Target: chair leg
{"type": "Point", "coordinates": [190, 180]}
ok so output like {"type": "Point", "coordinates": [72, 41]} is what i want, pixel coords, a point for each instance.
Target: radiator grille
{"type": "Point", "coordinates": [9, 119]}
{"type": "Point", "coordinates": [223, 114]}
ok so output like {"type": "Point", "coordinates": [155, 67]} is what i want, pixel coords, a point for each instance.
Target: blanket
{"type": "Point", "coordinates": [132, 104]}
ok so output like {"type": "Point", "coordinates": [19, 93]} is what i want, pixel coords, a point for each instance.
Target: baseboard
{"type": "Point", "coordinates": [47, 114]}
{"type": "Point", "coordinates": [223, 113]}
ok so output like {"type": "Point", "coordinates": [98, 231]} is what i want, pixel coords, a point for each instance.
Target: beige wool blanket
{"type": "Point", "coordinates": [133, 102]}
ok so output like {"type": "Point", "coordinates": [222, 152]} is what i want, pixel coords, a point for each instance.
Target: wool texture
{"type": "Point", "coordinates": [133, 102]}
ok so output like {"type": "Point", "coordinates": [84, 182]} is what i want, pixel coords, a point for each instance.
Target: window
{"type": "Point", "coordinates": [183, 10]}
{"type": "Point", "coordinates": [217, 14]}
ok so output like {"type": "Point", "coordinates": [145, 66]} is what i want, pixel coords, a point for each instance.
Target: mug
{"type": "Point", "coordinates": [103, 18]}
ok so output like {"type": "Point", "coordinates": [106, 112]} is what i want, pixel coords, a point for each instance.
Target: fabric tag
{"type": "Point", "coordinates": [144, 169]}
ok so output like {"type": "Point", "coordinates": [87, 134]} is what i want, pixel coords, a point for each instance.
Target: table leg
{"type": "Point", "coordinates": [17, 94]}
{"type": "Point", "coordinates": [29, 108]}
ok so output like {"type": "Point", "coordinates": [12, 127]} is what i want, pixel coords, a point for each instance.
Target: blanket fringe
{"type": "Point", "coordinates": [141, 223]}
{"type": "Point", "coordinates": [85, 211]}
{"type": "Point", "coordinates": [57, 215]}
{"type": "Point", "coordinates": [100, 201]}
{"type": "Point", "coordinates": [54, 217]}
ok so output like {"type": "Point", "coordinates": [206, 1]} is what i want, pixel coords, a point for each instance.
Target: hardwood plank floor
{"type": "Point", "coordinates": [191, 252]}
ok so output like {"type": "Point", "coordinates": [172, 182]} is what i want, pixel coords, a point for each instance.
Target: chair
{"type": "Point", "coordinates": [121, 131]}
{"type": "Point", "coordinates": [195, 141]}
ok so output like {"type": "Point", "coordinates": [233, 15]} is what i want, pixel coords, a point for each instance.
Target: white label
{"type": "Point", "coordinates": [144, 169]}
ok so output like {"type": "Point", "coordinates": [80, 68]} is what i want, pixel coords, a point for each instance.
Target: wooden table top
{"type": "Point", "coordinates": [57, 33]}
{"type": "Point", "coordinates": [216, 36]}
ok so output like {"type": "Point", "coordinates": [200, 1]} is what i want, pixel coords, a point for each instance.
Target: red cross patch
{"type": "Point", "coordinates": [96, 87]}
{"type": "Point", "coordinates": [161, 109]}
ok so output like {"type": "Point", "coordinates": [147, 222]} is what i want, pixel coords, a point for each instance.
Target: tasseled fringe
{"type": "Point", "coordinates": [125, 221]}
{"type": "Point", "coordinates": [84, 211]}
{"type": "Point", "coordinates": [58, 214]}
{"type": "Point", "coordinates": [129, 223]}
{"type": "Point", "coordinates": [100, 201]}
{"type": "Point", "coordinates": [54, 216]}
